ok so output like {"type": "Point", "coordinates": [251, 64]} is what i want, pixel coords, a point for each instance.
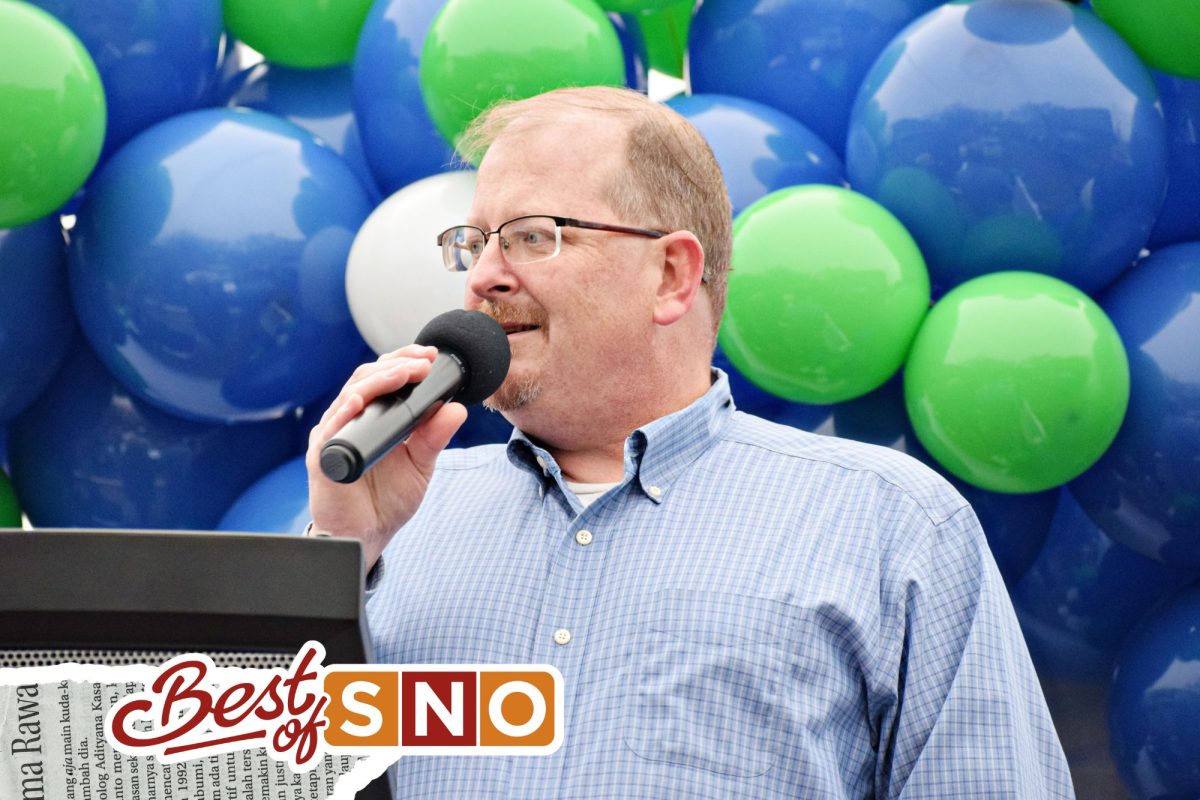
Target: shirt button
{"type": "Point", "coordinates": [583, 537]}
{"type": "Point", "coordinates": [655, 491]}
{"type": "Point", "coordinates": [562, 636]}
{"type": "Point", "coordinates": [541, 462]}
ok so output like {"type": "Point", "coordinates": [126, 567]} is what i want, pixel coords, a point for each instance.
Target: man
{"type": "Point", "coordinates": [738, 609]}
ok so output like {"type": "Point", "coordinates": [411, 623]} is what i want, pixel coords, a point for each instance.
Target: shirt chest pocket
{"type": "Point", "coordinates": [708, 682]}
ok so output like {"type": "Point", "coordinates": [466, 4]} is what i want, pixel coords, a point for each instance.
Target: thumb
{"type": "Point", "coordinates": [431, 438]}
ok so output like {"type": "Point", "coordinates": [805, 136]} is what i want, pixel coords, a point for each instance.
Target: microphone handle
{"type": "Point", "coordinates": [388, 420]}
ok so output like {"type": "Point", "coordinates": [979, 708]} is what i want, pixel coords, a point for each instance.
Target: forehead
{"type": "Point", "coordinates": [561, 166]}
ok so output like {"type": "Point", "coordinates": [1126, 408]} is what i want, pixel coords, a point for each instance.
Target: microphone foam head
{"type": "Point", "coordinates": [479, 342]}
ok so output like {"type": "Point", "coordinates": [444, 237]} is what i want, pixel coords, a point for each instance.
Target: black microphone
{"type": "Point", "coordinates": [471, 363]}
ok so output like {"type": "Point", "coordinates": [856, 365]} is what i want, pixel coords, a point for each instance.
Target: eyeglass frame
{"type": "Point", "coordinates": [559, 223]}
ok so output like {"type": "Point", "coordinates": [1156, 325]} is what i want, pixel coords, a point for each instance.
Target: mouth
{"type": "Point", "coordinates": [516, 328]}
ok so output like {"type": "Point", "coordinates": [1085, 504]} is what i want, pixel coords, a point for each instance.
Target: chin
{"type": "Point", "coordinates": [515, 393]}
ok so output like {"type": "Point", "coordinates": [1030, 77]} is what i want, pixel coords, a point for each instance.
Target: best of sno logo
{"type": "Point", "coordinates": [193, 709]}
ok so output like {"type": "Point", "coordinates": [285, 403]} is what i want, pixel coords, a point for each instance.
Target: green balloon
{"type": "Point", "coordinates": [1165, 33]}
{"type": "Point", "coordinates": [826, 293]}
{"type": "Point", "coordinates": [1017, 382]}
{"type": "Point", "coordinates": [307, 34]}
{"type": "Point", "coordinates": [52, 114]}
{"type": "Point", "coordinates": [480, 51]}
{"type": "Point", "coordinates": [10, 509]}
{"type": "Point", "coordinates": [663, 29]}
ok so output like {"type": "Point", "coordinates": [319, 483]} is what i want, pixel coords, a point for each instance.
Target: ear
{"type": "Point", "coordinates": [682, 268]}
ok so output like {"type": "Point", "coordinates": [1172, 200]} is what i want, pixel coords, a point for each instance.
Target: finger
{"type": "Point", "coordinates": [431, 438]}
{"type": "Point", "coordinates": [377, 379]}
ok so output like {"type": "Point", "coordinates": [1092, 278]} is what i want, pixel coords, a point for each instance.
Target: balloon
{"type": "Point", "coordinates": [318, 100]}
{"type": "Point", "coordinates": [803, 57]}
{"type": "Point", "coordinates": [759, 149]}
{"type": "Point", "coordinates": [992, 164]}
{"type": "Point", "coordinates": [91, 454]}
{"type": "Point", "coordinates": [298, 33]}
{"type": "Point", "coordinates": [633, 6]}
{"type": "Point", "coordinates": [1016, 382]}
{"type": "Point", "coordinates": [36, 318]}
{"type": "Point", "coordinates": [10, 507]}
{"type": "Point", "coordinates": [1083, 595]}
{"type": "Point", "coordinates": [825, 296]}
{"type": "Point", "coordinates": [399, 140]}
{"type": "Point", "coordinates": [52, 107]}
{"type": "Point", "coordinates": [1016, 525]}
{"type": "Point", "coordinates": [1179, 218]}
{"type": "Point", "coordinates": [481, 51]}
{"type": "Point", "coordinates": [633, 49]}
{"type": "Point", "coordinates": [208, 265]}
{"type": "Point", "coordinates": [395, 279]}
{"type": "Point", "coordinates": [1145, 491]}
{"type": "Point", "coordinates": [662, 31]}
{"type": "Point", "coordinates": [156, 58]}
{"type": "Point", "coordinates": [1154, 703]}
{"type": "Point", "coordinates": [1163, 32]}
{"type": "Point", "coordinates": [753, 400]}
{"type": "Point", "coordinates": [275, 503]}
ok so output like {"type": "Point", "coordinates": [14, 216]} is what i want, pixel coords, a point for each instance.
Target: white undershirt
{"type": "Point", "coordinates": [588, 492]}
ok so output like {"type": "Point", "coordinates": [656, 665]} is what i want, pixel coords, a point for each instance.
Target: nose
{"type": "Point", "coordinates": [491, 276]}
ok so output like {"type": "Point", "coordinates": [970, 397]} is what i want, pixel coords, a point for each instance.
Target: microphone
{"type": "Point", "coordinates": [471, 363]}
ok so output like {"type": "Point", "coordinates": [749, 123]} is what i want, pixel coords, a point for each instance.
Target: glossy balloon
{"type": "Point", "coordinates": [633, 49]}
{"type": "Point", "coordinates": [1154, 703]}
{"type": "Point", "coordinates": [479, 51]}
{"type": "Point", "coordinates": [309, 34]}
{"type": "Point", "coordinates": [759, 149]}
{"type": "Point", "coordinates": [663, 34]}
{"type": "Point", "coordinates": [395, 279]}
{"type": "Point", "coordinates": [1017, 382]}
{"type": "Point", "coordinates": [1145, 491]}
{"type": "Point", "coordinates": [825, 296]}
{"type": "Point", "coordinates": [399, 139]}
{"type": "Point", "coordinates": [276, 503]}
{"type": "Point", "coordinates": [10, 507]}
{"type": "Point", "coordinates": [156, 58]}
{"type": "Point", "coordinates": [208, 265]}
{"type": "Point", "coordinates": [1179, 218]}
{"type": "Point", "coordinates": [53, 112]}
{"type": "Point", "coordinates": [993, 165]}
{"type": "Point", "coordinates": [1084, 594]}
{"type": "Point", "coordinates": [36, 318]}
{"type": "Point", "coordinates": [91, 454]}
{"type": "Point", "coordinates": [1163, 32]}
{"type": "Point", "coordinates": [318, 100]}
{"type": "Point", "coordinates": [803, 57]}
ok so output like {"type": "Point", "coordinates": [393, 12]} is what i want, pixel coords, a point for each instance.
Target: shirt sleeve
{"type": "Point", "coordinates": [969, 718]}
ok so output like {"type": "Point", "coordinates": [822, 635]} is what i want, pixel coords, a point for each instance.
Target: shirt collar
{"type": "Point", "coordinates": [657, 452]}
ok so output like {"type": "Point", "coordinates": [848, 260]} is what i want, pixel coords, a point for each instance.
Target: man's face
{"type": "Point", "coordinates": [576, 321]}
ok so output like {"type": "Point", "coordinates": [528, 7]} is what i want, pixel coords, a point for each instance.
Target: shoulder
{"type": "Point", "coordinates": [460, 459]}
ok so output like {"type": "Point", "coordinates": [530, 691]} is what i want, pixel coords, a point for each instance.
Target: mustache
{"type": "Point", "coordinates": [507, 313]}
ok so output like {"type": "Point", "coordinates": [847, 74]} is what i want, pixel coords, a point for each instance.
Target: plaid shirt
{"type": "Point", "coordinates": [753, 611]}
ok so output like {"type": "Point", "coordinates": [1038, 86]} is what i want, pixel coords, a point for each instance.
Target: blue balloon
{"type": "Point", "coordinates": [1145, 490]}
{"type": "Point", "coordinates": [1179, 218]}
{"type": "Point", "coordinates": [1154, 703]}
{"type": "Point", "coordinates": [208, 265]}
{"type": "Point", "coordinates": [401, 143]}
{"type": "Point", "coordinates": [156, 58]}
{"type": "Point", "coordinates": [36, 318]}
{"type": "Point", "coordinates": [634, 50]}
{"type": "Point", "coordinates": [91, 454]}
{"type": "Point", "coordinates": [803, 57]}
{"type": "Point", "coordinates": [318, 100]}
{"type": "Point", "coordinates": [1016, 525]}
{"type": "Point", "coordinates": [751, 399]}
{"type": "Point", "coordinates": [1083, 595]}
{"type": "Point", "coordinates": [275, 503]}
{"type": "Point", "coordinates": [1008, 135]}
{"type": "Point", "coordinates": [758, 148]}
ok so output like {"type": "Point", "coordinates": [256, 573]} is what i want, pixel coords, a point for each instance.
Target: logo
{"type": "Point", "coordinates": [192, 709]}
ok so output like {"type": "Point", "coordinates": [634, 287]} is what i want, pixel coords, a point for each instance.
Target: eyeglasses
{"type": "Point", "coordinates": [524, 240]}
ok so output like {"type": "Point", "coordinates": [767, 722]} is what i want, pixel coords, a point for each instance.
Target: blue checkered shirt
{"type": "Point", "coordinates": [758, 612]}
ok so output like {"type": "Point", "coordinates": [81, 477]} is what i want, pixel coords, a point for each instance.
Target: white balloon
{"type": "Point", "coordinates": [395, 280]}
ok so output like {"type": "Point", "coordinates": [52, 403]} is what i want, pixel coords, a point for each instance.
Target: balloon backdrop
{"type": "Point", "coordinates": [479, 51]}
{"type": "Point", "coordinates": [298, 33]}
{"type": "Point", "coordinates": [1010, 135]}
{"type": "Point", "coordinates": [803, 57]}
{"type": "Point", "coordinates": [662, 33]}
{"type": "Point", "coordinates": [318, 100]}
{"type": "Point", "coordinates": [1145, 491]}
{"type": "Point", "coordinates": [53, 112]}
{"type": "Point", "coordinates": [276, 503]}
{"type": "Point", "coordinates": [825, 296]}
{"type": "Point", "coordinates": [36, 319]}
{"type": "Point", "coordinates": [1155, 701]}
{"type": "Point", "coordinates": [633, 50]}
{"type": "Point", "coordinates": [156, 58]}
{"type": "Point", "coordinates": [207, 265]}
{"type": "Point", "coordinates": [1179, 218]}
{"type": "Point", "coordinates": [1016, 382]}
{"type": "Point", "coordinates": [759, 149]}
{"type": "Point", "coordinates": [10, 509]}
{"type": "Point", "coordinates": [1164, 32]}
{"type": "Point", "coordinates": [91, 454]}
{"type": "Point", "coordinates": [395, 279]}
